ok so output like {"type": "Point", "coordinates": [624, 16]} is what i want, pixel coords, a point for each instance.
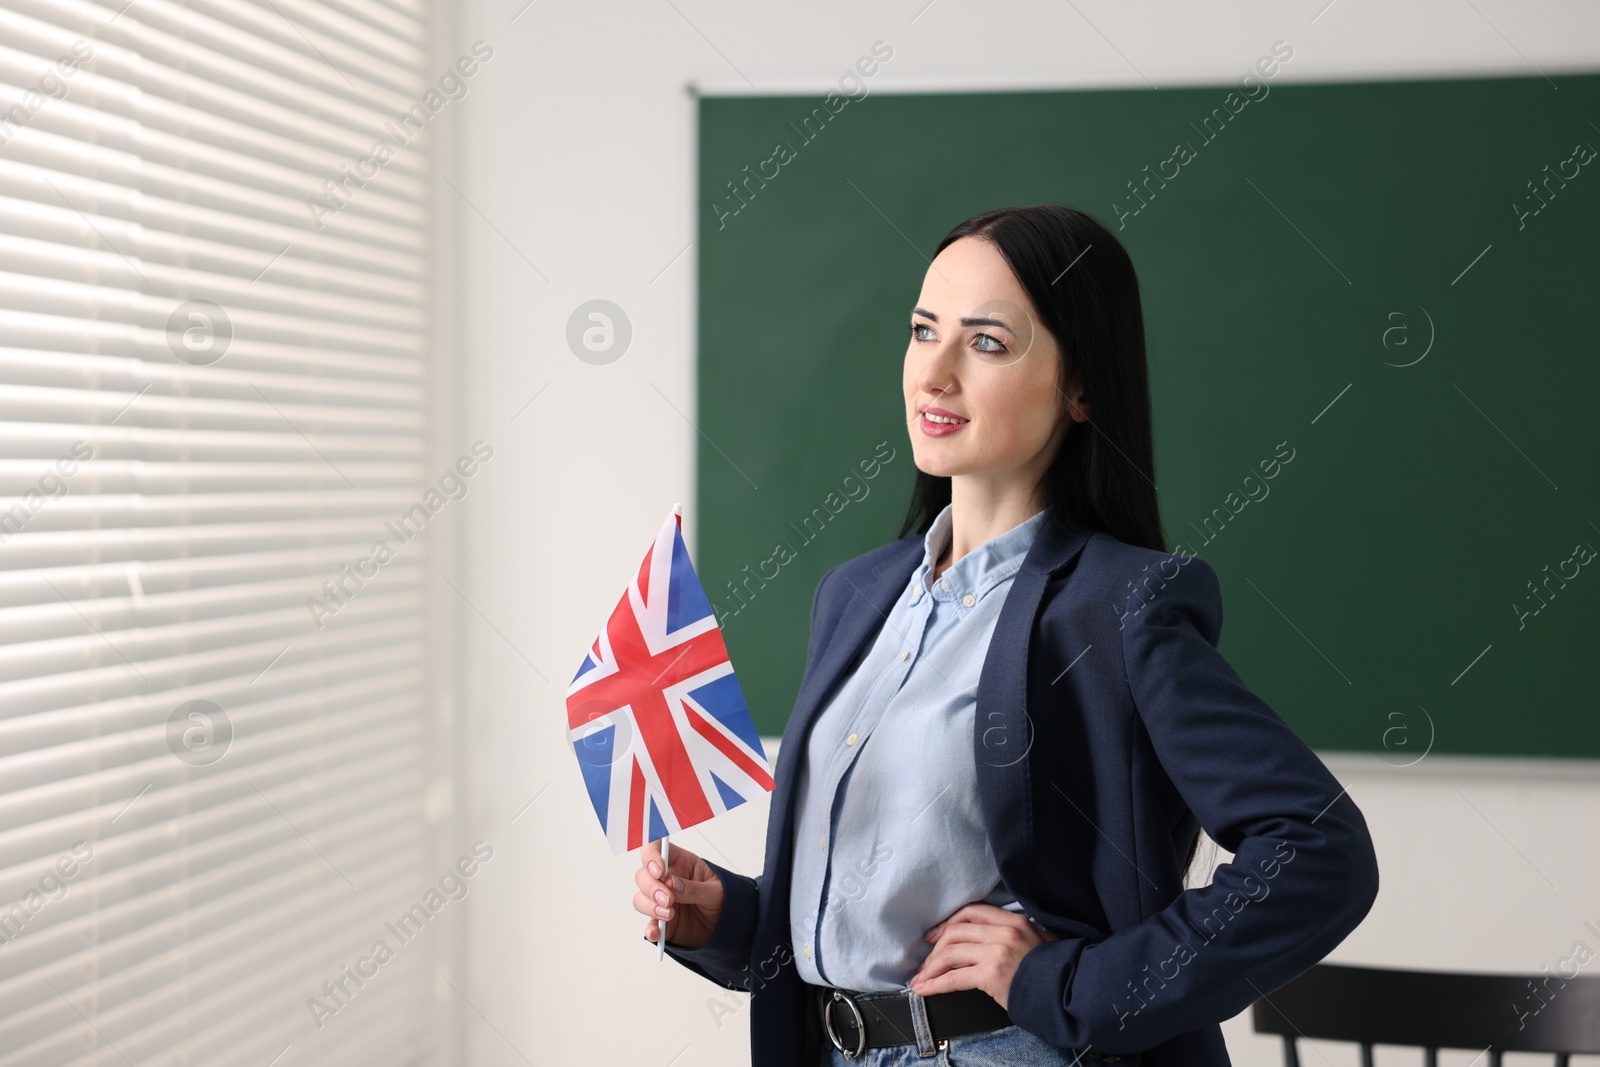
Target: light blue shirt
{"type": "Point", "coordinates": [889, 833]}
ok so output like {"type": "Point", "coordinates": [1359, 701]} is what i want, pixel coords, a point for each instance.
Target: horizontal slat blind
{"type": "Point", "coordinates": [212, 403]}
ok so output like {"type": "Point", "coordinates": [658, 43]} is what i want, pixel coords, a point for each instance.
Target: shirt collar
{"type": "Point", "coordinates": [981, 569]}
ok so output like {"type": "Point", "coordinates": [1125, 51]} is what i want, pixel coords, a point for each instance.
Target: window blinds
{"type": "Point", "coordinates": [212, 399]}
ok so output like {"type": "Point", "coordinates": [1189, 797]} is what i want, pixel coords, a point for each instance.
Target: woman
{"type": "Point", "coordinates": [994, 873]}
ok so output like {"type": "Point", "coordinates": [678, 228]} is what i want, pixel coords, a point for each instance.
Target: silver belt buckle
{"type": "Point", "coordinates": [861, 1026]}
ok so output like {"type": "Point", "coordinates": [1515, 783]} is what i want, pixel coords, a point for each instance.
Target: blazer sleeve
{"type": "Point", "coordinates": [1303, 874]}
{"type": "Point", "coordinates": [726, 957]}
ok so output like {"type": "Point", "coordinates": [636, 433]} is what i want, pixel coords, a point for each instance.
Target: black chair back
{"type": "Point", "coordinates": [1548, 1012]}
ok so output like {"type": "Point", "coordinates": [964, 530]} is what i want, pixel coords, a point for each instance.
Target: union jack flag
{"type": "Point", "coordinates": [655, 713]}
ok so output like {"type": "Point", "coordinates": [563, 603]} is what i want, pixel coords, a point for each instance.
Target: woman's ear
{"type": "Point", "coordinates": [1075, 397]}
{"type": "Point", "coordinates": [1078, 403]}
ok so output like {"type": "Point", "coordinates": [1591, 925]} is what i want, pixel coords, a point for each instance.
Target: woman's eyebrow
{"type": "Point", "coordinates": [967, 321]}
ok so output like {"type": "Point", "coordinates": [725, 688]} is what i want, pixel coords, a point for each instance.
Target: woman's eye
{"type": "Point", "coordinates": [998, 346]}
{"type": "Point", "coordinates": [915, 326]}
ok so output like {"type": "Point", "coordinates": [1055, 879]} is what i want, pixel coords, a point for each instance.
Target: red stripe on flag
{"type": "Point", "coordinates": [729, 749]}
{"type": "Point", "coordinates": [636, 801]}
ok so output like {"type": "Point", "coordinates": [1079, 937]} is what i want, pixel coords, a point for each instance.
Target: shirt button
{"type": "Point", "coordinates": [851, 739]}
{"type": "Point", "coordinates": [969, 600]}
{"type": "Point", "coordinates": [945, 586]}
{"type": "Point", "coordinates": [905, 656]}
{"type": "Point", "coordinates": [808, 951]}
{"type": "Point", "coordinates": [824, 843]}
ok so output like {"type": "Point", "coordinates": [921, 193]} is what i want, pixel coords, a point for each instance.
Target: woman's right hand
{"type": "Point", "coordinates": [689, 897]}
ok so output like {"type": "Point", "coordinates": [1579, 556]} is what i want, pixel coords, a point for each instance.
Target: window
{"type": "Point", "coordinates": [214, 378]}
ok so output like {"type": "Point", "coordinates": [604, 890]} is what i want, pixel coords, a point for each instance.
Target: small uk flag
{"type": "Point", "coordinates": [655, 714]}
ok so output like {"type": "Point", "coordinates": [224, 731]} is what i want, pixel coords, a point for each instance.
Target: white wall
{"type": "Point", "coordinates": [574, 175]}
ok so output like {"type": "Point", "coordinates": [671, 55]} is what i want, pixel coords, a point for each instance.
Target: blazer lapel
{"type": "Point", "coordinates": [865, 611]}
{"type": "Point", "coordinates": [1002, 734]}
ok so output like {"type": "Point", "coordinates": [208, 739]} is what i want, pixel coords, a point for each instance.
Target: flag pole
{"type": "Point", "coordinates": [661, 937]}
{"type": "Point", "coordinates": [666, 845]}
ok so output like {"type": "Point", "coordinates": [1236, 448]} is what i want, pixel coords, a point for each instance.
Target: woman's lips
{"type": "Point", "coordinates": [938, 429]}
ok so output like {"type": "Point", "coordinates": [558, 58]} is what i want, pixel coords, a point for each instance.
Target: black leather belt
{"type": "Point", "coordinates": [855, 1021]}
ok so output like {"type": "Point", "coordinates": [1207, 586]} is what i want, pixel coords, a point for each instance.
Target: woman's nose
{"type": "Point", "coordinates": [937, 376]}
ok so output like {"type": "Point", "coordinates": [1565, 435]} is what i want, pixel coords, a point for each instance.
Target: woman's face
{"type": "Point", "coordinates": [979, 353]}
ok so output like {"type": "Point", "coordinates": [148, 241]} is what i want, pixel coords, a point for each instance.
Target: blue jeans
{"type": "Point", "coordinates": [1009, 1046]}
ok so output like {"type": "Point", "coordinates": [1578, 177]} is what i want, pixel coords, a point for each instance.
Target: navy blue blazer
{"type": "Point", "coordinates": [1107, 727]}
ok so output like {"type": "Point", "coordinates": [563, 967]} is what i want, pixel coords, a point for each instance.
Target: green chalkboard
{"type": "Point", "coordinates": [1393, 284]}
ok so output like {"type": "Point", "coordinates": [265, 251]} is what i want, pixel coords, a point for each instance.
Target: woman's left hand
{"type": "Point", "coordinates": [978, 947]}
